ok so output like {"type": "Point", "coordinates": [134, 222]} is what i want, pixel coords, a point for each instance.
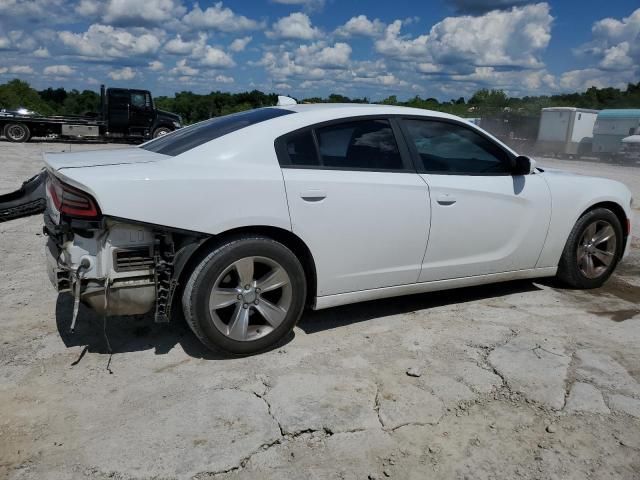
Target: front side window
{"type": "Point", "coordinates": [362, 144]}
{"type": "Point", "coordinates": [138, 100]}
{"type": "Point", "coordinates": [454, 149]}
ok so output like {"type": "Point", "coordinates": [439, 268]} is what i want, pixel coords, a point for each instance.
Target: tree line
{"type": "Point", "coordinates": [194, 107]}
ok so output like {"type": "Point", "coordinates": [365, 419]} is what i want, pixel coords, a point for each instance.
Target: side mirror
{"type": "Point", "coordinates": [524, 165]}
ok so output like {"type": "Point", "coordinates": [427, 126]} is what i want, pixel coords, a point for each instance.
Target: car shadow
{"type": "Point", "coordinates": [140, 332]}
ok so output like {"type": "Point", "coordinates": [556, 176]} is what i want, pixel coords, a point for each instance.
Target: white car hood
{"type": "Point", "coordinates": [96, 158]}
{"type": "Point", "coordinates": [631, 139]}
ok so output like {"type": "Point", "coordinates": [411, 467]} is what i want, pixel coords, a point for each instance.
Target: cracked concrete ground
{"type": "Point", "coordinates": [521, 379]}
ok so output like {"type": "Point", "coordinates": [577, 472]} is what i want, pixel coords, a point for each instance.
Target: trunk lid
{"type": "Point", "coordinates": [96, 158]}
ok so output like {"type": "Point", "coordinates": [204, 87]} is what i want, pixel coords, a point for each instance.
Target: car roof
{"type": "Point", "coordinates": [338, 110]}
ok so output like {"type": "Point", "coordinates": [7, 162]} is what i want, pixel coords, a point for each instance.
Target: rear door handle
{"type": "Point", "coordinates": [313, 195]}
{"type": "Point", "coordinates": [446, 199]}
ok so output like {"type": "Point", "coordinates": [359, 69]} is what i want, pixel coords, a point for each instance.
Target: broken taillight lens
{"type": "Point", "coordinates": [71, 201]}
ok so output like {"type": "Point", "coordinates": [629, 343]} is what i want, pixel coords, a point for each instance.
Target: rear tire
{"type": "Point", "coordinates": [245, 296]}
{"type": "Point", "coordinates": [592, 251]}
{"type": "Point", "coordinates": [17, 132]}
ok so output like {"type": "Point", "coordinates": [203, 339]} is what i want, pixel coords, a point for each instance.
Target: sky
{"type": "Point", "coordinates": [432, 48]}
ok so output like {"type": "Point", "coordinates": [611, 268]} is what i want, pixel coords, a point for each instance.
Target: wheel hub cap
{"type": "Point", "coordinates": [250, 298]}
{"type": "Point", "coordinates": [597, 249]}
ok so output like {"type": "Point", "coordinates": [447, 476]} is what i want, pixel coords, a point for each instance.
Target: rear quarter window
{"type": "Point", "coordinates": [187, 138]}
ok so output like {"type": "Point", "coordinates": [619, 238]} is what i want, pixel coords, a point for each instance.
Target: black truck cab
{"type": "Point", "coordinates": [132, 113]}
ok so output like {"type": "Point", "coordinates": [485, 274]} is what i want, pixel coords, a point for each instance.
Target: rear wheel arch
{"type": "Point", "coordinates": [196, 253]}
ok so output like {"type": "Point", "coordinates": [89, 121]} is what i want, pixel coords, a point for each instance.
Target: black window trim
{"type": "Point", "coordinates": [416, 156]}
{"type": "Point", "coordinates": [280, 145]}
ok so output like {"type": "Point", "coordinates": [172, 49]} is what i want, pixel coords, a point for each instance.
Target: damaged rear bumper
{"type": "Point", "coordinates": [28, 200]}
{"type": "Point", "coordinates": [116, 267]}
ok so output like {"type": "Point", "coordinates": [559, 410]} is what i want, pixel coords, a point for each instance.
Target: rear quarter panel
{"type": "Point", "coordinates": [231, 182]}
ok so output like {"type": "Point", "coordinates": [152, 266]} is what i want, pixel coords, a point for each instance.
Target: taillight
{"type": "Point", "coordinates": [71, 201]}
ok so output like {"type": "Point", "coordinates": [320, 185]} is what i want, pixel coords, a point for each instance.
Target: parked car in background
{"type": "Point", "coordinates": [242, 221]}
{"type": "Point", "coordinates": [630, 149]}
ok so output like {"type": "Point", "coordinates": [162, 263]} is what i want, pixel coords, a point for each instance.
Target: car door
{"type": "Point", "coordinates": [483, 219]}
{"type": "Point", "coordinates": [141, 110]}
{"type": "Point", "coordinates": [357, 202]}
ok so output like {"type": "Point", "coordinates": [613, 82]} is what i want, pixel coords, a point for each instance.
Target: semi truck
{"type": "Point", "coordinates": [125, 114]}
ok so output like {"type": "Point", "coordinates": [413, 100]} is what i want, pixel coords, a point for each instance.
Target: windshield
{"type": "Point", "coordinates": [193, 136]}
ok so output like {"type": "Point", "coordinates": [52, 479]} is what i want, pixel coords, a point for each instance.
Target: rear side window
{"type": "Point", "coordinates": [301, 149]}
{"type": "Point", "coordinates": [187, 138]}
{"type": "Point", "coordinates": [363, 144]}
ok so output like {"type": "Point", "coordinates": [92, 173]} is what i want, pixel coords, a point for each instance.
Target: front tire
{"type": "Point", "coordinates": [161, 131]}
{"type": "Point", "coordinates": [17, 132]}
{"type": "Point", "coordinates": [592, 251]}
{"type": "Point", "coordinates": [245, 296]}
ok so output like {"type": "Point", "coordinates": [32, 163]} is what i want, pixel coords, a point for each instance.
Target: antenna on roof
{"type": "Point", "coordinates": [284, 101]}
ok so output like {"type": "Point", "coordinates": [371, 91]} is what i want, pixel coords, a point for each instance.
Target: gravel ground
{"type": "Point", "coordinates": [517, 380]}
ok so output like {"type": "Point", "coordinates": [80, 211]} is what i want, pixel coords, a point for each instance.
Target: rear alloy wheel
{"type": "Point", "coordinates": [593, 250]}
{"type": "Point", "coordinates": [17, 132]}
{"type": "Point", "coordinates": [245, 296]}
{"type": "Point", "coordinates": [161, 131]}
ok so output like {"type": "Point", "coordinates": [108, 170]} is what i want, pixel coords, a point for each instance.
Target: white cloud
{"type": "Point", "coordinates": [320, 55]}
{"type": "Point", "coordinates": [216, 58]}
{"type": "Point", "coordinates": [218, 17]}
{"type": "Point", "coordinates": [581, 79]}
{"type": "Point", "coordinates": [361, 25]}
{"type": "Point", "coordinates": [5, 43]}
{"type": "Point", "coordinates": [296, 26]}
{"type": "Point", "coordinates": [515, 37]}
{"type": "Point", "coordinates": [483, 6]}
{"type": "Point", "coordinates": [41, 52]}
{"type": "Point", "coordinates": [156, 65]}
{"type": "Point", "coordinates": [307, 4]}
{"type": "Point", "coordinates": [223, 79]}
{"type": "Point", "coordinates": [239, 44]}
{"type": "Point", "coordinates": [59, 70]}
{"type": "Point", "coordinates": [183, 69]}
{"type": "Point", "coordinates": [29, 12]}
{"type": "Point", "coordinates": [131, 12]}
{"type": "Point", "coordinates": [89, 8]}
{"type": "Point", "coordinates": [177, 46]}
{"type": "Point", "coordinates": [616, 43]}
{"type": "Point", "coordinates": [126, 73]}
{"type": "Point", "coordinates": [105, 41]}
{"type": "Point", "coordinates": [21, 69]}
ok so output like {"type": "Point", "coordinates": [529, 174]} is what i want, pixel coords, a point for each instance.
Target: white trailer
{"type": "Point", "coordinates": [566, 131]}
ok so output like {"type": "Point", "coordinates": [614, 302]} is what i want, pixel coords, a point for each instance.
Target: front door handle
{"type": "Point", "coordinates": [313, 195]}
{"type": "Point", "coordinates": [446, 199]}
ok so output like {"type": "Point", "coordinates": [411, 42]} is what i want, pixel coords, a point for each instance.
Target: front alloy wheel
{"type": "Point", "coordinates": [597, 249]}
{"type": "Point", "coordinates": [245, 296]}
{"type": "Point", "coordinates": [593, 249]}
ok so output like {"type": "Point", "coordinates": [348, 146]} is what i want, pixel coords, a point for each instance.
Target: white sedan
{"type": "Point", "coordinates": [242, 221]}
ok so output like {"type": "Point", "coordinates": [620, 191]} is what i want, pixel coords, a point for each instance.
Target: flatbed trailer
{"type": "Point", "coordinates": [125, 114]}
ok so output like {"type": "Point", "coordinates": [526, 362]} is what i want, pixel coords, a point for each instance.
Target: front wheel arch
{"type": "Point", "coordinates": [618, 211]}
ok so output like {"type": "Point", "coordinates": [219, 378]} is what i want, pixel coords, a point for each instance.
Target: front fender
{"type": "Point", "coordinates": [571, 196]}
